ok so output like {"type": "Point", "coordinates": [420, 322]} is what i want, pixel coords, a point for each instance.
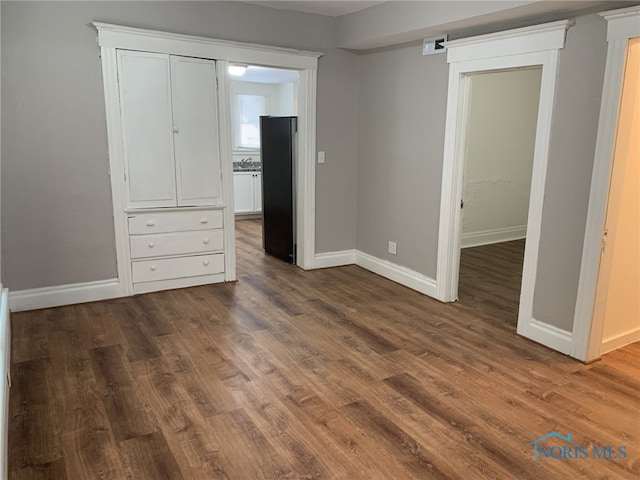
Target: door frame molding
{"type": "Point", "coordinates": [622, 25]}
{"type": "Point", "coordinates": [112, 37]}
{"type": "Point", "coordinates": [520, 48]}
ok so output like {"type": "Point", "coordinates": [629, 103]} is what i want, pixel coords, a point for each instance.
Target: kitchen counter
{"type": "Point", "coordinates": [247, 166]}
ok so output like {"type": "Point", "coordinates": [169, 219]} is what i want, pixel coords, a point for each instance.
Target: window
{"type": "Point", "coordinates": [248, 108]}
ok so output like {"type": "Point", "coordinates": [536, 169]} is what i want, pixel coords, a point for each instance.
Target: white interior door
{"type": "Point", "coordinates": [243, 192]}
{"type": "Point", "coordinates": [195, 117]}
{"type": "Point", "coordinates": [145, 99]}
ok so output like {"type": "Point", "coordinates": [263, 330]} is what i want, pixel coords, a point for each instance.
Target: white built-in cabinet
{"type": "Point", "coordinates": [247, 190]}
{"type": "Point", "coordinates": [168, 119]}
{"type": "Point", "coordinates": [170, 137]}
{"type": "Point", "coordinates": [170, 130]}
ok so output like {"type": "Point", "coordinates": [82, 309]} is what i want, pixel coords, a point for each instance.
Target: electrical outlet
{"type": "Point", "coordinates": [321, 157]}
{"type": "Point", "coordinates": [392, 248]}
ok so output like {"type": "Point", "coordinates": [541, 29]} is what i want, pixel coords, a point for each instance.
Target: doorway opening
{"type": "Point", "coordinates": [254, 91]}
{"type": "Point", "coordinates": [498, 163]}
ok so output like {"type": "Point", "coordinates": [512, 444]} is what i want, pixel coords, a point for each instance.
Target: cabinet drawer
{"type": "Point", "coordinates": [179, 267]}
{"type": "Point", "coordinates": [176, 243]}
{"type": "Point", "coordinates": [160, 222]}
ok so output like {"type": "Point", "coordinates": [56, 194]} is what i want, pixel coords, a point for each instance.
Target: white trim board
{"type": "Point", "coordinates": [59, 295]}
{"type": "Point", "coordinates": [399, 274]}
{"type": "Point", "coordinates": [613, 343]}
{"type": "Point", "coordinates": [520, 48]}
{"type": "Point", "coordinates": [587, 332]}
{"type": "Point", "coordinates": [392, 271]}
{"type": "Point", "coordinates": [334, 259]}
{"type": "Point", "coordinates": [496, 235]}
{"type": "Point", "coordinates": [36, 298]}
{"type": "Point", "coordinates": [549, 336]}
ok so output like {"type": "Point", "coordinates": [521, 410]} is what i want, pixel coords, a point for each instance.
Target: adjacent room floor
{"type": "Point", "coordinates": [490, 279]}
{"type": "Point", "coordinates": [337, 373]}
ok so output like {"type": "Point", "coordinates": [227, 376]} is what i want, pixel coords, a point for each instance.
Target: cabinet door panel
{"type": "Point", "coordinates": [257, 200]}
{"type": "Point", "coordinates": [195, 114]}
{"type": "Point", "coordinates": [145, 100]}
{"type": "Point", "coordinates": [243, 192]}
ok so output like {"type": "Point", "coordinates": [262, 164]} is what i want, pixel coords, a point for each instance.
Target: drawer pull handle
{"type": "Point", "coordinates": [205, 262]}
{"type": "Point", "coordinates": [151, 244]}
{"type": "Point", "coordinates": [204, 220]}
{"type": "Point", "coordinates": [205, 241]}
{"type": "Point", "coordinates": [153, 268]}
{"type": "Point", "coordinates": [151, 223]}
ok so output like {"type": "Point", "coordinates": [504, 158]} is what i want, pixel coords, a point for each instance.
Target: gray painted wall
{"type": "Point", "coordinates": [572, 149]}
{"type": "Point", "coordinates": [56, 202]}
{"type": "Point", "coordinates": [403, 104]}
{"type": "Point", "coordinates": [336, 179]}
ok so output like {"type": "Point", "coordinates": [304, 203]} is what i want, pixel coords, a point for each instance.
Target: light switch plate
{"type": "Point", "coordinates": [320, 157]}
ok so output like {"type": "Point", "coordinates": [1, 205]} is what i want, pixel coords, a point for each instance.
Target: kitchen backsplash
{"type": "Point", "coordinates": [246, 162]}
{"type": "Point", "coordinates": [247, 157]}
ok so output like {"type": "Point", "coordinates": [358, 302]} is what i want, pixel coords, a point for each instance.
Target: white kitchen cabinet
{"type": "Point", "coordinates": [247, 192]}
{"type": "Point", "coordinates": [170, 130]}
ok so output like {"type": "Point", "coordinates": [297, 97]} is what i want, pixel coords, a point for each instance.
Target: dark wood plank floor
{"type": "Point", "coordinates": [331, 374]}
{"type": "Point", "coordinates": [490, 279]}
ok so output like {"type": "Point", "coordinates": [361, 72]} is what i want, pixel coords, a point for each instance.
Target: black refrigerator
{"type": "Point", "coordinates": [278, 156]}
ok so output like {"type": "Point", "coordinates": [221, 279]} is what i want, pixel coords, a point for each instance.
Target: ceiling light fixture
{"type": "Point", "coordinates": [237, 70]}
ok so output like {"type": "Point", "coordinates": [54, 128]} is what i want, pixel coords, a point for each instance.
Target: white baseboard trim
{"type": "Point", "coordinates": [487, 237]}
{"type": "Point", "coordinates": [55, 296]}
{"type": "Point", "coordinates": [547, 335]}
{"type": "Point", "coordinates": [334, 259]}
{"type": "Point", "coordinates": [399, 274]}
{"type": "Point", "coordinates": [619, 341]}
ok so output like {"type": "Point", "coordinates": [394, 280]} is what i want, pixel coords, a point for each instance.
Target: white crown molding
{"type": "Point", "coordinates": [623, 23]}
{"type": "Point", "coordinates": [537, 38]}
{"type": "Point", "coordinates": [118, 36]}
{"type": "Point", "coordinates": [620, 13]}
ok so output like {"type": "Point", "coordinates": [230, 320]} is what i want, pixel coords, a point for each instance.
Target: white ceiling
{"type": "Point", "coordinates": [332, 8]}
{"type": "Point", "coordinates": [267, 75]}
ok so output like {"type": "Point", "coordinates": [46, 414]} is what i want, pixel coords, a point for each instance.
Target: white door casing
{"type": "Point", "coordinates": [622, 25]}
{"type": "Point", "coordinates": [524, 47]}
